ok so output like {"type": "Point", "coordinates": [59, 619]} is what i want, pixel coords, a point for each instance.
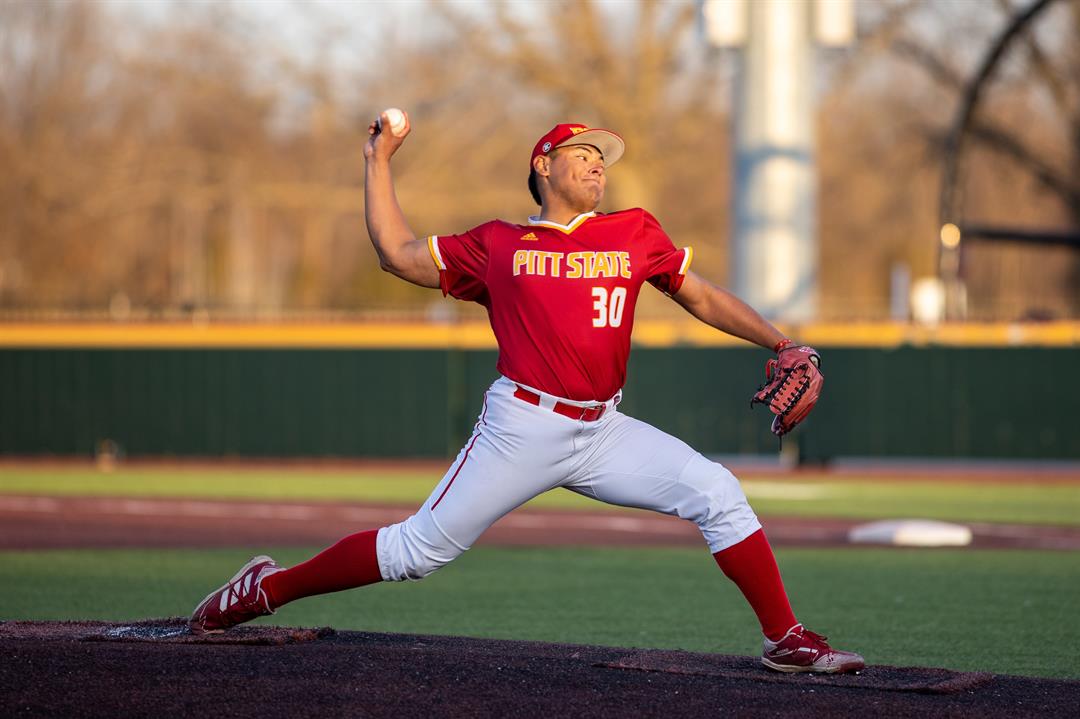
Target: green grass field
{"type": "Point", "coordinates": [871, 498]}
{"type": "Point", "coordinates": [1002, 611]}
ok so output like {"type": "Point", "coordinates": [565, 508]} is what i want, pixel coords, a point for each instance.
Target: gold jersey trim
{"type": "Point", "coordinates": [433, 248]}
{"type": "Point", "coordinates": [565, 229]}
{"type": "Point", "coordinates": [688, 257]}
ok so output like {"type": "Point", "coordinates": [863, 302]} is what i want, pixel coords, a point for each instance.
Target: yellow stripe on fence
{"type": "Point", "coordinates": [477, 335]}
{"type": "Point", "coordinates": [242, 335]}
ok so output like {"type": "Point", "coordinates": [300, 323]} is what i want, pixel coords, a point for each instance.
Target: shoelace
{"type": "Point", "coordinates": [816, 638]}
{"type": "Point", "coordinates": [235, 593]}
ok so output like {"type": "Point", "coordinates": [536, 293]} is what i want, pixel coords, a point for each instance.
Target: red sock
{"type": "Point", "coordinates": [349, 563]}
{"type": "Point", "coordinates": [752, 566]}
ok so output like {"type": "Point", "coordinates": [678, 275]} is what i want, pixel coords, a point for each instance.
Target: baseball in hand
{"type": "Point", "coordinates": [397, 120]}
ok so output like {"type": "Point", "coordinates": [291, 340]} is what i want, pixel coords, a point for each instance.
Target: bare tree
{"type": "Point", "coordinates": [194, 163]}
{"type": "Point", "coordinates": [1020, 159]}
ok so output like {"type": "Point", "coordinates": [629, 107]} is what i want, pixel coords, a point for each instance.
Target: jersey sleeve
{"type": "Point", "coordinates": [462, 261]}
{"type": "Point", "coordinates": [667, 265]}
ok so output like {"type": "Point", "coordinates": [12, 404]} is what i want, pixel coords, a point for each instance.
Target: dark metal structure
{"type": "Point", "coordinates": [950, 211]}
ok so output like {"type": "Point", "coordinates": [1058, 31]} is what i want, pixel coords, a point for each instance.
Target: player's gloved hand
{"type": "Point", "coordinates": [793, 383]}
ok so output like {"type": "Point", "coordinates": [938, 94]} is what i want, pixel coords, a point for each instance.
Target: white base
{"type": "Point", "coordinates": [911, 533]}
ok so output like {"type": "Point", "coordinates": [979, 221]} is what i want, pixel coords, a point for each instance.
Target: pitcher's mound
{"type": "Point", "coordinates": [880, 678]}
{"type": "Point", "coordinates": [157, 668]}
{"type": "Point", "coordinates": [173, 630]}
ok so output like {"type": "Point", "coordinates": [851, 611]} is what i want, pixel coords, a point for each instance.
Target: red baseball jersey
{"type": "Point", "coordinates": [561, 297]}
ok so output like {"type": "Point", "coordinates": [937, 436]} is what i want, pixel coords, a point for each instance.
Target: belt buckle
{"type": "Point", "coordinates": [599, 409]}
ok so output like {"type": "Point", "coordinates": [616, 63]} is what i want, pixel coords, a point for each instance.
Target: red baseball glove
{"type": "Point", "coordinates": [793, 383]}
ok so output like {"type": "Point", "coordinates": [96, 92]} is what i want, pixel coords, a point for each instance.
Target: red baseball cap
{"type": "Point", "coordinates": [611, 146]}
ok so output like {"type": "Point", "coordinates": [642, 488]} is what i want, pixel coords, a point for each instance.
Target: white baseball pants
{"type": "Point", "coordinates": [519, 450]}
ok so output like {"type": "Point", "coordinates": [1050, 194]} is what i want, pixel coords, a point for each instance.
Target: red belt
{"type": "Point", "coordinates": [585, 414]}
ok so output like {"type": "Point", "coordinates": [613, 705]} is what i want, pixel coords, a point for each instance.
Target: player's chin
{"type": "Point", "coordinates": [592, 194]}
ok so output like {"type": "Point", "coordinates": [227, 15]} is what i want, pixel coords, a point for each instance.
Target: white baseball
{"type": "Point", "coordinates": [397, 120]}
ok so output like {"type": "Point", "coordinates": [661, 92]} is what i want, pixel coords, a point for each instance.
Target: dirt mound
{"type": "Point", "coordinates": [89, 669]}
{"type": "Point", "coordinates": [171, 631]}
{"type": "Point", "coordinates": [880, 678]}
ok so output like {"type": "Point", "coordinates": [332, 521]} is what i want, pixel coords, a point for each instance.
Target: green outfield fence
{"type": "Point", "coordinates": [970, 402]}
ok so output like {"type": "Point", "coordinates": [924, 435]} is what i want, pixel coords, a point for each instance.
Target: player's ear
{"type": "Point", "coordinates": [542, 165]}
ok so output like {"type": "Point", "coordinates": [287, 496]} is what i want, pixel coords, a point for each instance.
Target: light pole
{"type": "Point", "coordinates": [774, 204]}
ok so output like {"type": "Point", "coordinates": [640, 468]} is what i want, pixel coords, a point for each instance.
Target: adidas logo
{"type": "Point", "coordinates": [530, 236]}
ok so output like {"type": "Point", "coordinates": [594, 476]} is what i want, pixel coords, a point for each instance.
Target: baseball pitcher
{"type": "Point", "coordinates": [560, 292]}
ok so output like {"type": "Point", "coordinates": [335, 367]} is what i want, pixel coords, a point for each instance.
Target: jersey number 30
{"type": "Point", "coordinates": [609, 307]}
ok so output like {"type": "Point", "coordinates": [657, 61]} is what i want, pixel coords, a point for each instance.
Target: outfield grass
{"type": "Point", "coordinates": [872, 498]}
{"type": "Point", "coordinates": [1001, 611]}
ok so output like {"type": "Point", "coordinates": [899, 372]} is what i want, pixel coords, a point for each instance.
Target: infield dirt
{"type": "Point", "coordinates": [95, 669]}
{"type": "Point", "coordinates": [33, 522]}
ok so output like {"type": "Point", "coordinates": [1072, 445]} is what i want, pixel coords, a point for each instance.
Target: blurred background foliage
{"type": "Point", "coordinates": [164, 159]}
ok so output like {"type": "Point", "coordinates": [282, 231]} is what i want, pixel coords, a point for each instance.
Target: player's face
{"type": "Point", "coordinates": [577, 176]}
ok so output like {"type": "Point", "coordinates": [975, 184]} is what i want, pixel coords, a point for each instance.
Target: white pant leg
{"type": "Point", "coordinates": [517, 451]}
{"type": "Point", "coordinates": [633, 464]}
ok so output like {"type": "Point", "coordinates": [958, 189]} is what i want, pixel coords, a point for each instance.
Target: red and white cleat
{"type": "Point", "coordinates": [801, 650]}
{"type": "Point", "coordinates": [239, 600]}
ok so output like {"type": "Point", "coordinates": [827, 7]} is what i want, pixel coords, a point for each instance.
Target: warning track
{"type": "Point", "coordinates": [39, 522]}
{"type": "Point", "coordinates": [96, 669]}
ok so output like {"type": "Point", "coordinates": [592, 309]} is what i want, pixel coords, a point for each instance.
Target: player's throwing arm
{"type": "Point", "coordinates": [398, 249]}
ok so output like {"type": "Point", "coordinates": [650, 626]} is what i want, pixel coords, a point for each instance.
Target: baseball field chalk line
{"type": "Point", "coordinates": [613, 524]}
{"type": "Point", "coordinates": [163, 508]}
{"type": "Point", "coordinates": [783, 490]}
{"type": "Point", "coordinates": [547, 521]}
{"type": "Point", "coordinates": [1006, 530]}
{"type": "Point", "coordinates": [29, 504]}
{"type": "Point", "coordinates": [308, 513]}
